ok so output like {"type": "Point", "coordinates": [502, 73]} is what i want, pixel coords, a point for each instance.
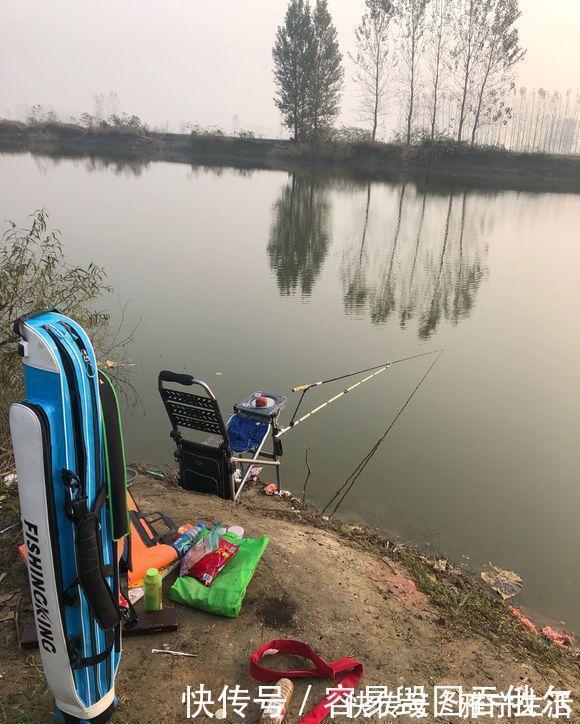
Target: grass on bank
{"type": "Point", "coordinates": [464, 603]}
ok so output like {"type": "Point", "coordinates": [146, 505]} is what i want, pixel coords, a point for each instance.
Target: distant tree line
{"type": "Point", "coordinates": [106, 114]}
{"type": "Point", "coordinates": [424, 71]}
{"type": "Point", "coordinates": [540, 121]}
{"type": "Point", "coordinates": [435, 68]}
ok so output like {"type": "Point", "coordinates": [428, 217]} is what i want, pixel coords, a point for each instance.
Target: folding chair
{"type": "Point", "coordinates": [215, 465]}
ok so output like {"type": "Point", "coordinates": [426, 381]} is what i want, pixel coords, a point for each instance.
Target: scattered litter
{"type": "Point", "coordinates": [270, 489]}
{"type": "Point", "coordinates": [525, 620]}
{"type": "Point", "coordinates": [9, 479]}
{"type": "Point", "coordinates": [172, 653]}
{"type": "Point", "coordinates": [350, 669]}
{"type": "Point", "coordinates": [225, 595]}
{"type": "Point", "coordinates": [113, 363]}
{"type": "Point", "coordinates": [285, 494]}
{"type": "Point", "coordinates": [156, 474]}
{"type": "Point", "coordinates": [560, 639]}
{"type": "Point", "coordinates": [440, 565]}
{"type": "Point", "coordinates": [10, 527]}
{"type": "Point", "coordinates": [255, 471]}
{"type": "Point", "coordinates": [203, 547]}
{"type": "Point", "coordinates": [275, 711]}
{"type": "Point", "coordinates": [507, 583]}
{"type": "Point", "coordinates": [130, 475]}
{"type": "Point", "coordinates": [206, 569]}
{"type": "Point", "coordinates": [188, 536]}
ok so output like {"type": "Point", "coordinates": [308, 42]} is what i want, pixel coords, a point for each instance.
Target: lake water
{"type": "Point", "coordinates": [265, 280]}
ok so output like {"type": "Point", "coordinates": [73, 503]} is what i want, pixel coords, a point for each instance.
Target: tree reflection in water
{"type": "Point", "coordinates": [300, 236]}
{"type": "Point", "coordinates": [430, 267]}
{"type": "Point", "coordinates": [421, 259]}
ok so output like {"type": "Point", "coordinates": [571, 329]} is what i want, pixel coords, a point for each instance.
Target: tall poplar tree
{"type": "Point", "coordinates": [373, 60]}
{"type": "Point", "coordinates": [411, 17]}
{"type": "Point", "coordinates": [470, 31]}
{"type": "Point", "coordinates": [293, 64]}
{"type": "Point", "coordinates": [499, 54]}
{"type": "Point", "coordinates": [326, 80]}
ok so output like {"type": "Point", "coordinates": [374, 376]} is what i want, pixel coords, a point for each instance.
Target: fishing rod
{"type": "Point", "coordinates": [376, 370]}
{"type": "Point", "coordinates": [346, 487]}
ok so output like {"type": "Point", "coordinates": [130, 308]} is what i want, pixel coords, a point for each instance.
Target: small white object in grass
{"type": "Point", "coordinates": [9, 479]}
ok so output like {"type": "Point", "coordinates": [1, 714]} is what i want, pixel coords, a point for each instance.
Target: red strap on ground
{"type": "Point", "coordinates": [322, 670]}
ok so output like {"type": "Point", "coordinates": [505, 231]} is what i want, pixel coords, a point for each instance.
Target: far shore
{"type": "Point", "coordinates": [438, 164]}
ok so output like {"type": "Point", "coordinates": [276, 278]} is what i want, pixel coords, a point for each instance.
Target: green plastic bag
{"type": "Point", "coordinates": [226, 593]}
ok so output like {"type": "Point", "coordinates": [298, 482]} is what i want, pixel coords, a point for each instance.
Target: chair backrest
{"type": "Point", "coordinates": [188, 410]}
{"type": "Point", "coordinates": [204, 468]}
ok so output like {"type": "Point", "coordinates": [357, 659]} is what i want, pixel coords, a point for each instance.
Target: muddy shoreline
{"type": "Point", "coordinates": [431, 167]}
{"type": "Point", "coordinates": [345, 590]}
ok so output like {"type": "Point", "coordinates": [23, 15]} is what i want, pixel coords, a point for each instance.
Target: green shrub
{"type": "Point", "coordinates": [352, 134]}
{"type": "Point", "coordinates": [198, 131]}
{"type": "Point", "coordinates": [34, 274]}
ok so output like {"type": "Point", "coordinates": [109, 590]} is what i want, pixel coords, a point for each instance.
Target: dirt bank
{"type": "Point", "coordinates": [447, 164]}
{"type": "Point", "coordinates": [344, 591]}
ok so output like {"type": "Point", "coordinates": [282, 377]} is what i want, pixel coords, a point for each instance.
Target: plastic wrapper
{"type": "Point", "coordinates": [204, 546]}
{"type": "Point", "coordinates": [206, 569]}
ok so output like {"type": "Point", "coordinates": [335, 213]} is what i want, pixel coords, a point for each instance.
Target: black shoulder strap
{"type": "Point", "coordinates": [114, 459]}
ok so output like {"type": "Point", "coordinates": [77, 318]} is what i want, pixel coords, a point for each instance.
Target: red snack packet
{"type": "Point", "coordinates": [206, 569]}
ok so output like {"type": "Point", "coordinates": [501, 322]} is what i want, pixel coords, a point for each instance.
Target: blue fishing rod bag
{"type": "Point", "coordinates": [69, 457]}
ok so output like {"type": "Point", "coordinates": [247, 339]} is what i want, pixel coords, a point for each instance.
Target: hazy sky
{"type": "Point", "coordinates": [187, 60]}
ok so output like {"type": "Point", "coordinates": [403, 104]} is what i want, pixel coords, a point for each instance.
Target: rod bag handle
{"type": "Point", "coordinates": [91, 576]}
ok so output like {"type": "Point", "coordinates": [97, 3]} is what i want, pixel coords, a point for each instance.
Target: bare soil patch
{"type": "Point", "coordinates": [320, 582]}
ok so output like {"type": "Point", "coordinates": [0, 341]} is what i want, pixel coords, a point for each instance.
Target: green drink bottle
{"type": "Point", "coordinates": [152, 590]}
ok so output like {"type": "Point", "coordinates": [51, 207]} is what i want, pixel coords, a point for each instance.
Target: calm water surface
{"type": "Point", "coordinates": [272, 280]}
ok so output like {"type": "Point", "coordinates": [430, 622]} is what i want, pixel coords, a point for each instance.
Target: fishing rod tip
{"type": "Point", "coordinates": [300, 388]}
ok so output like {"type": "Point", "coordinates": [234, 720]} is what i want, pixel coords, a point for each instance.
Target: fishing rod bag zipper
{"type": "Point", "coordinates": [71, 482]}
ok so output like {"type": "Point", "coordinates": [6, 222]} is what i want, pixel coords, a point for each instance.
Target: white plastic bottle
{"type": "Point", "coordinates": [275, 712]}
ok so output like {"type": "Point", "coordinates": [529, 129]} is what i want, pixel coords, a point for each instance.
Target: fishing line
{"type": "Point", "coordinates": [305, 387]}
{"type": "Point", "coordinates": [352, 478]}
{"type": "Point", "coordinates": [376, 370]}
{"type": "Point", "coordinates": [291, 423]}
